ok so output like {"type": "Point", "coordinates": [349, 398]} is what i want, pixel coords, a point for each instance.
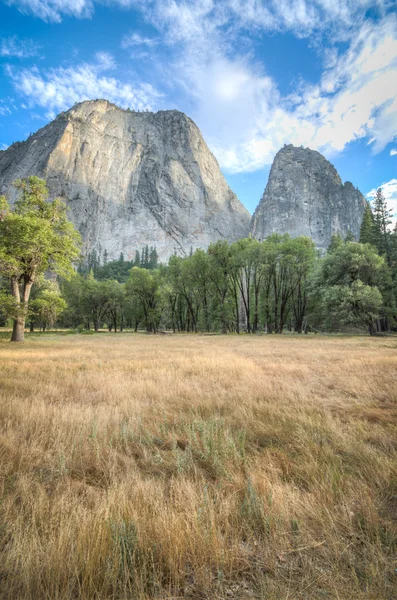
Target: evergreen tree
{"type": "Point", "coordinates": [367, 229]}
{"type": "Point", "coordinates": [382, 219]}
{"type": "Point", "coordinates": [349, 237]}
{"type": "Point", "coordinates": [153, 258]}
{"type": "Point", "coordinates": [336, 241]}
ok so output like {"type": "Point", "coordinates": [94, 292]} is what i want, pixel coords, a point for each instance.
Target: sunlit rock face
{"type": "Point", "coordinates": [130, 179]}
{"type": "Point", "coordinates": [306, 196]}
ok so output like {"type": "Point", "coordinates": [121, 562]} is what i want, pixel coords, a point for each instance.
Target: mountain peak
{"type": "Point", "coordinates": [131, 179]}
{"type": "Point", "coordinates": [305, 196]}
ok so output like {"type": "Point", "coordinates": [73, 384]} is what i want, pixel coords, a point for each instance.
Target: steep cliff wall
{"type": "Point", "coordinates": [131, 179]}
{"type": "Point", "coordinates": [305, 196]}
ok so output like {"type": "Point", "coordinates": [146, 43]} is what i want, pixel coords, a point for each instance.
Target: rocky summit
{"type": "Point", "coordinates": [130, 179]}
{"type": "Point", "coordinates": [306, 196]}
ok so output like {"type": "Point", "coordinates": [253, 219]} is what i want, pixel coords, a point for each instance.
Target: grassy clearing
{"type": "Point", "coordinates": [167, 467]}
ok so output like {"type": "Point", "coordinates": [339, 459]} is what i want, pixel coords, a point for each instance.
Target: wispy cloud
{"type": "Point", "coordinates": [4, 108]}
{"type": "Point", "coordinates": [54, 10]}
{"type": "Point", "coordinates": [389, 189]}
{"type": "Point", "coordinates": [13, 47]}
{"type": "Point", "coordinates": [239, 107]}
{"type": "Point", "coordinates": [393, 152]}
{"type": "Point", "coordinates": [135, 39]}
{"type": "Point", "coordinates": [58, 89]}
{"type": "Point", "coordinates": [302, 17]}
{"type": "Point", "coordinates": [213, 76]}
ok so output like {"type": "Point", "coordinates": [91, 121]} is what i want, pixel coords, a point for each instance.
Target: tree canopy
{"type": "Point", "coordinates": [35, 237]}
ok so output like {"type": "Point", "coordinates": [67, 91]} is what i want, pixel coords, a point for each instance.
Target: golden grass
{"type": "Point", "coordinates": [142, 467]}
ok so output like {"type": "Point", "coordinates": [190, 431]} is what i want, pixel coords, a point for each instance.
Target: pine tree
{"type": "Point", "coordinates": [153, 258]}
{"type": "Point", "coordinates": [367, 229]}
{"type": "Point", "coordinates": [382, 219]}
{"type": "Point", "coordinates": [335, 242]}
{"type": "Point", "coordinates": [349, 236]}
{"type": "Point", "coordinates": [393, 252]}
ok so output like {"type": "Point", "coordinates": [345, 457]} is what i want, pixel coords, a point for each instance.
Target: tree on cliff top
{"type": "Point", "coordinates": [35, 236]}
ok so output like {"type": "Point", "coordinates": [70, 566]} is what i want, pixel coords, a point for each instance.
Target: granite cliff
{"type": "Point", "coordinates": [130, 179]}
{"type": "Point", "coordinates": [306, 196]}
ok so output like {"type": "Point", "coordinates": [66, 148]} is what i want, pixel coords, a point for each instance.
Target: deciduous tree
{"type": "Point", "coordinates": [35, 236]}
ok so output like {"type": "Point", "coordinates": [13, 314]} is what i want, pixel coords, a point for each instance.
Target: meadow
{"type": "Point", "coordinates": [140, 466]}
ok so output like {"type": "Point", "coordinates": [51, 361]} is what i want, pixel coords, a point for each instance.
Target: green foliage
{"type": "Point", "coordinates": [118, 269]}
{"type": "Point", "coordinates": [351, 262]}
{"type": "Point", "coordinates": [350, 287]}
{"type": "Point", "coordinates": [35, 237]}
{"type": "Point", "coordinates": [143, 287]}
{"type": "Point", "coordinates": [382, 221]}
{"type": "Point", "coordinates": [368, 229]}
{"type": "Point", "coordinates": [277, 284]}
{"type": "Point", "coordinates": [47, 307]}
{"type": "Point", "coordinates": [256, 286]}
{"type": "Point", "coordinates": [356, 305]}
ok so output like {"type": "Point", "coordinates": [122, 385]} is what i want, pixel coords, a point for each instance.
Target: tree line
{"type": "Point", "coordinates": [274, 285]}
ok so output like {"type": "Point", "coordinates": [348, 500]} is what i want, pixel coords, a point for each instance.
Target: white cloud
{"type": "Point", "coordinates": [238, 106]}
{"type": "Point", "coordinates": [14, 47]}
{"type": "Point", "coordinates": [4, 108]}
{"type": "Point", "coordinates": [3, 146]}
{"type": "Point", "coordinates": [135, 39]}
{"type": "Point", "coordinates": [54, 10]}
{"type": "Point", "coordinates": [389, 190]}
{"type": "Point", "coordinates": [302, 17]}
{"type": "Point", "coordinates": [105, 61]}
{"type": "Point", "coordinates": [393, 152]}
{"type": "Point", "coordinates": [214, 78]}
{"type": "Point", "coordinates": [58, 89]}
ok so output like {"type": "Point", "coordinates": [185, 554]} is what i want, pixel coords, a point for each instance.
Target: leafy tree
{"type": "Point", "coordinates": [95, 299]}
{"type": "Point", "coordinates": [35, 237]}
{"type": "Point", "coordinates": [47, 307]}
{"type": "Point", "coordinates": [222, 272]}
{"type": "Point", "coordinates": [347, 286]}
{"type": "Point", "coordinates": [143, 286]}
{"type": "Point", "coordinates": [115, 304]}
{"type": "Point", "coordinates": [357, 304]}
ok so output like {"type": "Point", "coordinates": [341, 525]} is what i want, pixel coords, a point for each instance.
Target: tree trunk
{"type": "Point", "coordinates": [237, 312]}
{"type": "Point", "coordinates": [18, 330]}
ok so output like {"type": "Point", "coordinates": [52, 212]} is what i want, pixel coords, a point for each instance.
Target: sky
{"type": "Point", "coordinates": [253, 75]}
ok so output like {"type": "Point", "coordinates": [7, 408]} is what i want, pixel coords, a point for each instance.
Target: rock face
{"type": "Point", "coordinates": [130, 179]}
{"type": "Point", "coordinates": [306, 196]}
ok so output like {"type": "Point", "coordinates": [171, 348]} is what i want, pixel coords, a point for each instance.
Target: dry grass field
{"type": "Point", "coordinates": [173, 467]}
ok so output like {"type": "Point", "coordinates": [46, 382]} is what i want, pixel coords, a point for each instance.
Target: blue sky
{"type": "Point", "coordinates": [252, 74]}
